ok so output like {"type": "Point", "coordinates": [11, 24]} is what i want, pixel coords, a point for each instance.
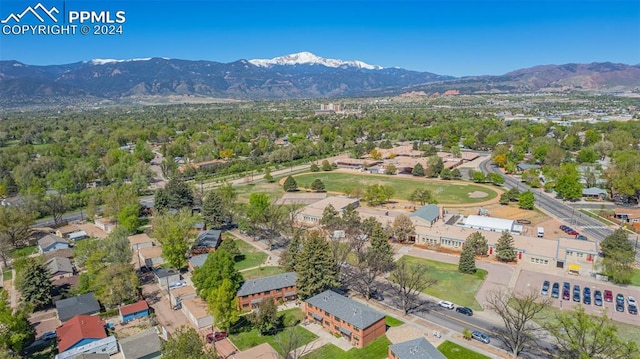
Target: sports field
{"type": "Point", "coordinates": [446, 192]}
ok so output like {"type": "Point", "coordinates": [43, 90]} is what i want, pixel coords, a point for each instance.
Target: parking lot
{"type": "Point", "coordinates": [530, 279]}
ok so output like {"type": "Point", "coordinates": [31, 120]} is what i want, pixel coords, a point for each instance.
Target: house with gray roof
{"type": "Point", "coordinates": [144, 345]}
{"type": "Point", "coordinates": [279, 287]}
{"type": "Point", "coordinates": [59, 267]}
{"type": "Point", "coordinates": [339, 315]}
{"type": "Point", "coordinates": [418, 348]}
{"type": "Point", "coordinates": [594, 192]}
{"type": "Point", "coordinates": [207, 241]}
{"type": "Point", "coordinates": [50, 243]}
{"type": "Point", "coordinates": [82, 304]}
{"type": "Point", "coordinates": [429, 214]}
{"type": "Point", "coordinates": [197, 261]}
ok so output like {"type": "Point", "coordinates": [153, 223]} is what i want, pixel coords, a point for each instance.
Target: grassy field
{"type": "Point", "coordinates": [635, 280]}
{"type": "Point", "coordinates": [261, 272]}
{"type": "Point", "coordinates": [375, 350]}
{"type": "Point", "coordinates": [251, 257]}
{"type": "Point", "coordinates": [7, 274]}
{"type": "Point", "coordinates": [273, 190]}
{"type": "Point", "coordinates": [446, 192]}
{"type": "Point", "coordinates": [24, 251]}
{"type": "Point", "coordinates": [454, 351]}
{"type": "Point", "coordinates": [452, 285]}
{"type": "Point", "coordinates": [393, 322]}
{"type": "Point", "coordinates": [595, 216]}
{"type": "Point", "coordinates": [248, 337]}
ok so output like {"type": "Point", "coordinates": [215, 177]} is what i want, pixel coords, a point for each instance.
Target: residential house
{"type": "Point", "coordinates": [521, 167]}
{"type": "Point", "coordinates": [151, 256]}
{"type": "Point", "coordinates": [85, 304]}
{"type": "Point", "coordinates": [140, 241]}
{"type": "Point", "coordinates": [65, 231]}
{"type": "Point", "coordinates": [418, 348]}
{"type": "Point", "coordinates": [594, 192]}
{"type": "Point", "coordinates": [177, 295]}
{"type": "Point", "coordinates": [166, 276]}
{"type": "Point", "coordinates": [59, 267]}
{"type": "Point", "coordinates": [144, 345]}
{"type": "Point", "coordinates": [339, 315]}
{"type": "Point", "coordinates": [628, 215]}
{"type": "Point", "coordinates": [197, 261]}
{"type": "Point", "coordinates": [279, 287]}
{"type": "Point", "coordinates": [133, 311]}
{"type": "Point", "coordinates": [207, 241]}
{"type": "Point", "coordinates": [79, 331]}
{"type": "Point", "coordinates": [92, 350]}
{"type": "Point", "coordinates": [105, 224]}
{"type": "Point", "coordinates": [195, 309]}
{"type": "Point", "coordinates": [50, 243]}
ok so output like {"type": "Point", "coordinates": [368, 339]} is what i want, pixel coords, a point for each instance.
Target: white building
{"type": "Point", "coordinates": [492, 224]}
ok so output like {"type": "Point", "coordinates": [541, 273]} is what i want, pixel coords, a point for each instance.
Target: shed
{"type": "Point", "coordinates": [196, 311]}
{"type": "Point", "coordinates": [50, 243]}
{"type": "Point", "coordinates": [179, 294]}
{"type": "Point", "coordinates": [144, 345]}
{"type": "Point", "coordinates": [133, 311]}
{"type": "Point", "coordinates": [491, 224]}
{"type": "Point", "coordinates": [429, 213]}
{"type": "Point", "coordinates": [76, 236]}
{"type": "Point", "coordinates": [151, 256]}
{"type": "Point", "coordinates": [140, 241]}
{"type": "Point", "coordinates": [166, 276]}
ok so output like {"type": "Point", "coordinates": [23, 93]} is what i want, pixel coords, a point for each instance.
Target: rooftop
{"type": "Point", "coordinates": [81, 304]}
{"type": "Point", "coordinates": [151, 252]}
{"type": "Point", "coordinates": [134, 308]}
{"type": "Point", "coordinates": [266, 284]}
{"type": "Point", "coordinates": [140, 239]}
{"type": "Point", "coordinates": [196, 306]}
{"type": "Point", "coordinates": [208, 239]}
{"type": "Point", "coordinates": [429, 213]}
{"type": "Point", "coordinates": [354, 313]}
{"type": "Point", "coordinates": [78, 328]}
{"type": "Point", "coordinates": [198, 261]}
{"type": "Point", "coordinates": [500, 224]}
{"type": "Point", "coordinates": [418, 348]}
{"type": "Point", "coordinates": [165, 272]}
{"type": "Point", "coordinates": [59, 264]}
{"type": "Point", "coordinates": [49, 240]}
{"type": "Point", "coordinates": [140, 345]}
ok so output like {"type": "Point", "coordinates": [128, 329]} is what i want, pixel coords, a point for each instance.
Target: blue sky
{"type": "Point", "coordinates": [451, 37]}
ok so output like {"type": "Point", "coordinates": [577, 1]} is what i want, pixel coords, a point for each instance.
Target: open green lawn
{"type": "Point", "coordinates": [375, 350]}
{"type": "Point", "coordinates": [446, 192]}
{"type": "Point", "coordinates": [452, 285]}
{"type": "Point", "coordinates": [248, 337]}
{"type": "Point", "coordinates": [262, 272]}
{"type": "Point", "coordinates": [273, 190]}
{"type": "Point", "coordinates": [24, 251]}
{"type": "Point", "coordinates": [454, 351]}
{"type": "Point", "coordinates": [635, 280]}
{"type": "Point", "coordinates": [393, 322]}
{"type": "Point", "coordinates": [594, 215]}
{"type": "Point", "coordinates": [251, 257]}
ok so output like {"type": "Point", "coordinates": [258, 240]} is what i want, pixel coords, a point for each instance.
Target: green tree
{"type": "Point", "coordinates": [223, 304]}
{"type": "Point", "coordinates": [422, 196]}
{"type": "Point", "coordinates": [314, 168]}
{"type": "Point", "coordinates": [186, 343]}
{"type": "Point", "coordinates": [391, 169]}
{"type": "Point", "coordinates": [116, 248]}
{"type": "Point", "coordinates": [568, 184]}
{"type": "Point", "coordinates": [267, 175]}
{"type": "Point", "coordinates": [505, 251]}
{"type": "Point", "coordinates": [265, 319]}
{"type": "Point", "coordinates": [526, 200]}
{"type": "Point", "coordinates": [290, 184]}
{"type": "Point", "coordinates": [35, 285]}
{"type": "Point", "coordinates": [504, 199]}
{"type": "Point", "coordinates": [418, 170]}
{"type": "Point", "coordinates": [16, 332]}
{"type": "Point", "coordinates": [229, 199]}
{"type": "Point", "coordinates": [478, 242]}
{"type": "Point", "coordinates": [376, 194]}
{"type": "Point", "coordinates": [434, 166]}
{"type": "Point", "coordinates": [619, 256]}
{"type": "Point", "coordinates": [403, 229]}
{"type": "Point", "coordinates": [316, 267]}
{"type": "Point", "coordinates": [129, 217]}
{"type": "Point", "coordinates": [175, 195]}
{"type": "Point", "coordinates": [259, 208]}
{"type": "Point", "coordinates": [289, 259]}
{"type": "Point", "coordinates": [495, 178]}
{"type": "Point", "coordinates": [467, 263]}
{"type": "Point", "coordinates": [231, 247]}
{"type": "Point", "coordinates": [218, 266]}
{"type": "Point", "coordinates": [581, 335]}
{"type": "Point", "coordinates": [15, 226]}
{"type": "Point", "coordinates": [213, 210]}
{"type": "Point", "coordinates": [372, 261]}
{"type": "Point", "coordinates": [84, 249]}
{"type": "Point", "coordinates": [115, 284]}
{"type": "Point", "coordinates": [174, 233]}
{"type": "Point", "coordinates": [317, 185]}
{"type": "Point", "coordinates": [445, 174]}
{"type": "Point", "coordinates": [479, 177]}
{"type": "Point", "coordinates": [455, 173]}
{"type": "Point", "coordinates": [326, 166]}
{"type": "Point", "coordinates": [408, 281]}
{"type": "Point", "coordinates": [587, 155]}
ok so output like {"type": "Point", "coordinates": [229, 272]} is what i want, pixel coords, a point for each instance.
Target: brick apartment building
{"type": "Point", "coordinates": [356, 322]}
{"type": "Point", "coordinates": [279, 287]}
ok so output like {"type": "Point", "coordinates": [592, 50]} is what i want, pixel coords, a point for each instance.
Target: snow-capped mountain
{"type": "Point", "coordinates": [307, 58]}
{"type": "Point", "coordinates": [111, 61]}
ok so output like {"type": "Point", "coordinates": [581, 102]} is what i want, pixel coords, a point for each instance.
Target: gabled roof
{"type": "Point", "coordinates": [78, 235]}
{"type": "Point", "coordinates": [429, 213]}
{"type": "Point", "coordinates": [165, 272]}
{"type": "Point", "coordinates": [141, 344]}
{"type": "Point", "coordinates": [134, 308]}
{"type": "Point", "coordinates": [49, 240]}
{"type": "Point", "coordinates": [418, 348]}
{"type": "Point", "coordinates": [198, 261]}
{"type": "Point", "coordinates": [82, 304]}
{"type": "Point", "coordinates": [493, 223]}
{"type": "Point", "coordinates": [59, 264]}
{"type": "Point", "coordinates": [78, 328]}
{"type": "Point", "coordinates": [593, 191]}
{"type": "Point", "coordinates": [354, 313]}
{"type": "Point", "coordinates": [266, 284]}
{"type": "Point", "coordinates": [208, 239]}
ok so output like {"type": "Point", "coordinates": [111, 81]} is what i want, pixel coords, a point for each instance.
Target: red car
{"type": "Point", "coordinates": [216, 336]}
{"type": "Point", "coordinates": [608, 296]}
{"type": "Point", "coordinates": [573, 233]}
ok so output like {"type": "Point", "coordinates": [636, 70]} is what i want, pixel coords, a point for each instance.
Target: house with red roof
{"type": "Point", "coordinates": [79, 331]}
{"type": "Point", "coordinates": [134, 311]}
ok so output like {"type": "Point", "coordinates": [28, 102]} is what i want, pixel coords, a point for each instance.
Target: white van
{"type": "Point", "coordinates": [540, 232]}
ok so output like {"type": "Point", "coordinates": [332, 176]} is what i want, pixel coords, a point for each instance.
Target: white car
{"type": "Point", "coordinates": [445, 304]}
{"type": "Point", "coordinates": [178, 284]}
{"type": "Point", "coordinates": [632, 301]}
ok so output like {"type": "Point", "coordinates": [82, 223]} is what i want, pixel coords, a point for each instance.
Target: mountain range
{"type": "Point", "coordinates": [301, 75]}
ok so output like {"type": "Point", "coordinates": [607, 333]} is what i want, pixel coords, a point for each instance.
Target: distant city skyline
{"type": "Point", "coordinates": [454, 37]}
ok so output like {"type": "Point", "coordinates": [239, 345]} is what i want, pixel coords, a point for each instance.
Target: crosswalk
{"type": "Point", "coordinates": [595, 227]}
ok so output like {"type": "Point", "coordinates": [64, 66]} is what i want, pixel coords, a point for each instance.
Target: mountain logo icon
{"type": "Point", "coordinates": [39, 11]}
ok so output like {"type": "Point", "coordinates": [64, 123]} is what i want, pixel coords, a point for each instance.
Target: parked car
{"type": "Point", "coordinates": [545, 288]}
{"type": "Point", "coordinates": [581, 237]}
{"type": "Point", "coordinates": [632, 301]}
{"type": "Point", "coordinates": [216, 336]}
{"type": "Point", "coordinates": [480, 336]}
{"type": "Point", "coordinates": [597, 298]}
{"type": "Point", "coordinates": [576, 293]}
{"type": "Point", "coordinates": [633, 309]}
{"type": "Point", "coordinates": [563, 227]}
{"type": "Point", "coordinates": [586, 295]}
{"type": "Point", "coordinates": [445, 304]}
{"type": "Point", "coordinates": [523, 221]}
{"type": "Point", "coordinates": [465, 311]}
{"type": "Point", "coordinates": [49, 335]}
{"type": "Point", "coordinates": [565, 291]}
{"type": "Point", "coordinates": [620, 303]}
{"type": "Point", "coordinates": [377, 295]}
{"type": "Point", "coordinates": [608, 296]}
{"type": "Point", "coordinates": [573, 232]}
{"type": "Point", "coordinates": [555, 290]}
